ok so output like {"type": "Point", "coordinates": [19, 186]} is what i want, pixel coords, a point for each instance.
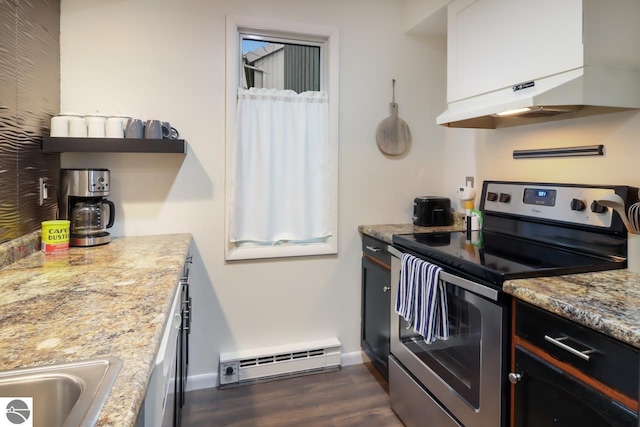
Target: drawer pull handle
{"type": "Point", "coordinates": [373, 248]}
{"type": "Point", "coordinates": [558, 342]}
{"type": "Point", "coordinates": [386, 288]}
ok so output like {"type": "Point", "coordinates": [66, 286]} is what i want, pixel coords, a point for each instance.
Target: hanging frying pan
{"type": "Point", "coordinates": [393, 134]}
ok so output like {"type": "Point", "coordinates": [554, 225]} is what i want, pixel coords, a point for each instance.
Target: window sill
{"type": "Point", "coordinates": [262, 252]}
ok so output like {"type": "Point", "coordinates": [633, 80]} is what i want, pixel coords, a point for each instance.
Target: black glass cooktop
{"type": "Point", "coordinates": [494, 258]}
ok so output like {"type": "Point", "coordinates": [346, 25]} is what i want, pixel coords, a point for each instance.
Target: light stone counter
{"type": "Point", "coordinates": [385, 232]}
{"type": "Point", "coordinates": [607, 301]}
{"type": "Point", "coordinates": [86, 303]}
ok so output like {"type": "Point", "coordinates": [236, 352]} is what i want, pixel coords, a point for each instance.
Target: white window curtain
{"type": "Point", "coordinates": [280, 183]}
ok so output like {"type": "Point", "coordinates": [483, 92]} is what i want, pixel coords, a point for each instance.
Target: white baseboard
{"type": "Point", "coordinates": [198, 382]}
{"type": "Point", "coordinates": [210, 379]}
{"type": "Point", "coordinates": [354, 358]}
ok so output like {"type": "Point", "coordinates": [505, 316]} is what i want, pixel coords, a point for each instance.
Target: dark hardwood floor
{"type": "Point", "coordinates": [356, 395]}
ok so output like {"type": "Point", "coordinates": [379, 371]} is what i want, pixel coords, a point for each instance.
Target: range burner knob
{"type": "Point", "coordinates": [504, 198]}
{"type": "Point", "coordinates": [491, 196]}
{"type": "Point", "coordinates": [577, 205]}
{"type": "Point", "coordinates": [598, 208]}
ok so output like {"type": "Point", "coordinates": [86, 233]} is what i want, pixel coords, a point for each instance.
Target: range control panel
{"type": "Point", "coordinates": [557, 202]}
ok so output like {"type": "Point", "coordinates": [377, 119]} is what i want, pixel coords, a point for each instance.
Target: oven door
{"type": "Point", "coordinates": [465, 373]}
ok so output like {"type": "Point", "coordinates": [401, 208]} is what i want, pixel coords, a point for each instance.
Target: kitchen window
{"type": "Point", "coordinates": [281, 139]}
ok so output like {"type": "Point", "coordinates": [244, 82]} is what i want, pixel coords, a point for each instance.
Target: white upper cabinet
{"type": "Point", "coordinates": [543, 58]}
{"type": "Point", "coordinates": [494, 44]}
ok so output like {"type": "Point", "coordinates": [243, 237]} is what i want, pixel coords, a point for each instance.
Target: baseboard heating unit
{"type": "Point", "coordinates": [269, 363]}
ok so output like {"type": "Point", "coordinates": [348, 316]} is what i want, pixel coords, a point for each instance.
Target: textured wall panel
{"type": "Point", "coordinates": [34, 67]}
{"type": "Point", "coordinates": [38, 48]}
{"type": "Point", "coordinates": [8, 123]}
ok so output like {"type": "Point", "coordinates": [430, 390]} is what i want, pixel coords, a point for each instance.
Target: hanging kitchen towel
{"type": "Point", "coordinates": [422, 300]}
{"type": "Point", "coordinates": [431, 318]}
{"type": "Point", "coordinates": [406, 288]}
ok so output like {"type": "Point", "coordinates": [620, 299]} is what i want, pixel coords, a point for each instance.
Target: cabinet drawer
{"type": "Point", "coordinates": [412, 403]}
{"type": "Point", "coordinates": [376, 249]}
{"type": "Point", "coordinates": [611, 362]}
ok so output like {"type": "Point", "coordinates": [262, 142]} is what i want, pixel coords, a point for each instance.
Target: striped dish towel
{"type": "Point", "coordinates": [422, 299]}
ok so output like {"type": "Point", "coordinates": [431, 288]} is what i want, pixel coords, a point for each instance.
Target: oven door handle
{"type": "Point", "coordinates": [465, 284]}
{"type": "Point", "coordinates": [470, 286]}
{"type": "Point", "coordinates": [393, 251]}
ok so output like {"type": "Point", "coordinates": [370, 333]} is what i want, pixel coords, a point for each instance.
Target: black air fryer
{"type": "Point", "coordinates": [430, 211]}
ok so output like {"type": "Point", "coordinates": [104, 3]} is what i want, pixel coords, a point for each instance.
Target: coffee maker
{"type": "Point", "coordinates": [82, 201]}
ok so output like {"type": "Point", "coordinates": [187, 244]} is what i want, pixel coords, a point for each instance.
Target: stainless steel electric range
{"type": "Point", "coordinates": [529, 230]}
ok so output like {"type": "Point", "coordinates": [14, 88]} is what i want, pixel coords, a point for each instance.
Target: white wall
{"type": "Point", "coordinates": [165, 59]}
{"type": "Point", "coordinates": [618, 132]}
{"type": "Point", "coordinates": [427, 17]}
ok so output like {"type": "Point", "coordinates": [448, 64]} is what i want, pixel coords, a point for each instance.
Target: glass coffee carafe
{"type": "Point", "coordinates": [90, 219]}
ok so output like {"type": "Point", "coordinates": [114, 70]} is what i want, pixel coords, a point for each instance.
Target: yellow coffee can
{"type": "Point", "coordinates": [55, 236]}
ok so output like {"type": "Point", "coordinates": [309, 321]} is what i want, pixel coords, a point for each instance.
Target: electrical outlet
{"type": "Point", "coordinates": [469, 181]}
{"type": "Point", "coordinates": [42, 190]}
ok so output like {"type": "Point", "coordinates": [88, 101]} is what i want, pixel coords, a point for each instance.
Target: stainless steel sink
{"type": "Point", "coordinates": [64, 395]}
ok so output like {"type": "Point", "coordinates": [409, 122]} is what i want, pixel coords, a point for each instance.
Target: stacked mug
{"type": "Point", "coordinates": [91, 126]}
{"type": "Point", "coordinates": [151, 129]}
{"type": "Point", "coordinates": [66, 125]}
{"type": "Point", "coordinates": [96, 126]}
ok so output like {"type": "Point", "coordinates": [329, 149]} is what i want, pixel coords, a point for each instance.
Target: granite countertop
{"type": "Point", "coordinates": [607, 301]}
{"type": "Point", "coordinates": [385, 232]}
{"type": "Point", "coordinates": [86, 303]}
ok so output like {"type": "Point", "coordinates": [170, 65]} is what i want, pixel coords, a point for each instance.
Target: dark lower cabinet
{"type": "Point", "coordinates": [567, 375]}
{"type": "Point", "coordinates": [548, 396]}
{"type": "Point", "coordinates": [182, 347]}
{"type": "Point", "coordinates": [178, 387]}
{"type": "Point", "coordinates": [186, 313]}
{"type": "Point", "coordinates": [376, 281]}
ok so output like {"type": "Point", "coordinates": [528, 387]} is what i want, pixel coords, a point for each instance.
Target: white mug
{"type": "Point", "coordinates": [59, 126]}
{"type": "Point", "coordinates": [77, 127]}
{"type": "Point", "coordinates": [96, 126]}
{"type": "Point", "coordinates": [124, 120]}
{"type": "Point", "coordinates": [114, 128]}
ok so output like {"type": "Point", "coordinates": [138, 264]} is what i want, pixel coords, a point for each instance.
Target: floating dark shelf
{"type": "Point", "coordinates": [113, 145]}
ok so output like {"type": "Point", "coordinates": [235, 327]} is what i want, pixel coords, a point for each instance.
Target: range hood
{"type": "Point", "coordinates": [580, 92]}
{"type": "Point", "coordinates": [548, 61]}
